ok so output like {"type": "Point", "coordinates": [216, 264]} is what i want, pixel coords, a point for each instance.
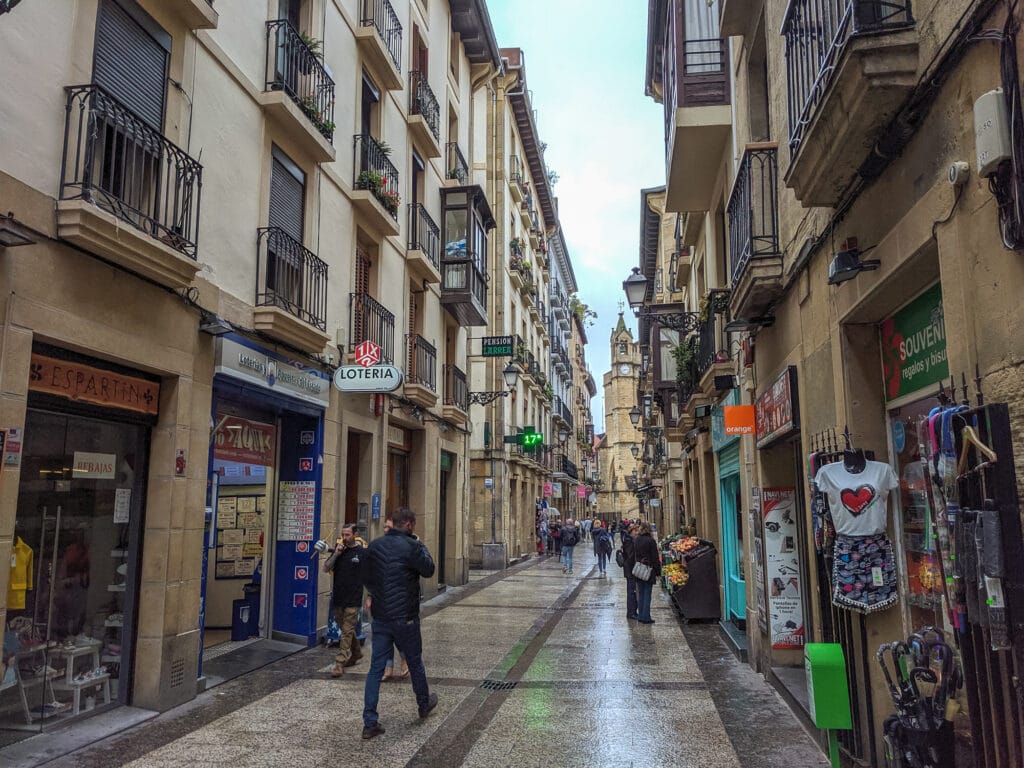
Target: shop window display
{"type": "Point", "coordinates": [67, 645]}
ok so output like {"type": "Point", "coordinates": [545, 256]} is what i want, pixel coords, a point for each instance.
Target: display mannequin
{"type": "Point", "coordinates": [864, 568]}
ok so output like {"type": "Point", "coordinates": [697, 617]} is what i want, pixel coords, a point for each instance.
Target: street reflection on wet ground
{"type": "Point", "coordinates": [533, 668]}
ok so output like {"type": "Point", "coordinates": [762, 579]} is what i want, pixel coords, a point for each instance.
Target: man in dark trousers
{"type": "Point", "coordinates": [346, 565]}
{"type": "Point", "coordinates": [629, 560]}
{"type": "Point", "coordinates": [392, 568]}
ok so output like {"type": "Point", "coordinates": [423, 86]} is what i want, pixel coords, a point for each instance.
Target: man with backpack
{"type": "Point", "coordinates": [602, 546]}
{"type": "Point", "coordinates": [569, 538]}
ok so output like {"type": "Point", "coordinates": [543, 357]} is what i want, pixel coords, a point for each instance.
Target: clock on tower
{"type": "Point", "coordinates": [624, 369]}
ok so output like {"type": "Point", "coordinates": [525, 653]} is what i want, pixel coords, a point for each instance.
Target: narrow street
{"type": "Point", "coordinates": [582, 687]}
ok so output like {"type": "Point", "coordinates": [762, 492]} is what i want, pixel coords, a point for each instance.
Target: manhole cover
{"type": "Point", "coordinates": [498, 685]}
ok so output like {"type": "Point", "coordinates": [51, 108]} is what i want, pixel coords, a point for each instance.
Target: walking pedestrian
{"type": "Point", "coordinates": [628, 561]}
{"type": "Point", "coordinates": [602, 546]}
{"type": "Point", "coordinates": [389, 666]}
{"type": "Point", "coordinates": [542, 526]}
{"type": "Point", "coordinates": [588, 525]}
{"type": "Point", "coordinates": [556, 537]}
{"type": "Point", "coordinates": [570, 535]}
{"type": "Point", "coordinates": [345, 563]}
{"type": "Point", "coordinates": [645, 550]}
{"type": "Point", "coordinates": [394, 564]}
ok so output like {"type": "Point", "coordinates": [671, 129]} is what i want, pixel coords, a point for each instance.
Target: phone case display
{"type": "Point", "coordinates": [690, 574]}
{"type": "Point", "coordinates": [241, 522]}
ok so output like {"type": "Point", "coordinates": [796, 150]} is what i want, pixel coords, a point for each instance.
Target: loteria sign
{"type": "Point", "coordinates": [367, 354]}
{"type": "Point", "coordinates": [368, 375]}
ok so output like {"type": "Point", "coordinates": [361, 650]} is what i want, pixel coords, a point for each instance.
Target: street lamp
{"type": "Point", "coordinates": [634, 415]}
{"type": "Point", "coordinates": [635, 287]}
{"type": "Point", "coordinates": [511, 376]}
{"type": "Point", "coordinates": [563, 435]}
{"type": "Point", "coordinates": [635, 450]}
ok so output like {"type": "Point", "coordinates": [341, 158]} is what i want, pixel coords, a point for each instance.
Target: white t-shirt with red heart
{"type": "Point", "coordinates": [857, 500]}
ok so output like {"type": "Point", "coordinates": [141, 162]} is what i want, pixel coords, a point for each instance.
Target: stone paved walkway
{"type": "Point", "coordinates": [590, 690]}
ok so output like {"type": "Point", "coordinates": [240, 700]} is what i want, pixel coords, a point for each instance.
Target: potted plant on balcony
{"type": "Point", "coordinates": [520, 352]}
{"type": "Point", "coordinates": [548, 392]}
{"type": "Point", "coordinates": [370, 180]}
{"type": "Point", "coordinates": [391, 199]}
{"type": "Point", "coordinates": [515, 245]}
{"type": "Point", "coordinates": [685, 355]}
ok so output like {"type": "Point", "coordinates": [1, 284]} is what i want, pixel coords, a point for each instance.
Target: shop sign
{"type": "Point", "coordinates": [757, 557]}
{"type": "Point", "coordinates": [376, 378]}
{"type": "Point", "coordinates": [777, 411]}
{"type": "Point", "coordinates": [88, 384]}
{"type": "Point", "coordinates": [548, 489]}
{"type": "Point", "coordinates": [914, 345]}
{"type": "Point", "coordinates": [244, 441]}
{"type": "Point", "coordinates": [782, 561]}
{"type": "Point", "coordinates": [497, 346]}
{"type": "Point", "coordinates": [581, 491]}
{"type": "Point", "coordinates": [556, 490]}
{"type": "Point", "coordinates": [719, 437]}
{"type": "Point", "coordinates": [263, 369]}
{"type": "Point", "coordinates": [367, 354]}
{"type": "Point", "coordinates": [94, 466]}
{"type": "Point", "coordinates": [11, 449]}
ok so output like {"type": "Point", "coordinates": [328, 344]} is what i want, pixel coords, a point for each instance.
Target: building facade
{"type": "Point", "coordinates": [844, 197]}
{"type": "Point", "coordinates": [227, 202]}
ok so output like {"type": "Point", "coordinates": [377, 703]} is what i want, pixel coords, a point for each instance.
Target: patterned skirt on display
{"type": "Point", "coordinates": [864, 573]}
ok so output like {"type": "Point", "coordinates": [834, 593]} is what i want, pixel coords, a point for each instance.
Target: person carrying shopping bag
{"type": "Point", "coordinates": [645, 553]}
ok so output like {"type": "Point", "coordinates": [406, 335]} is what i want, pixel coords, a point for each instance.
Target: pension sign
{"type": "Point", "coordinates": [375, 378]}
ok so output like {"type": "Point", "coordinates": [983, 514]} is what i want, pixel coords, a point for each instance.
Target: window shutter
{"type": "Point", "coordinates": [130, 61]}
{"type": "Point", "coordinates": [287, 200]}
{"type": "Point", "coordinates": [362, 281]}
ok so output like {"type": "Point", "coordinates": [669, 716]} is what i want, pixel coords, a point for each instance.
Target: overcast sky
{"type": "Point", "coordinates": [585, 64]}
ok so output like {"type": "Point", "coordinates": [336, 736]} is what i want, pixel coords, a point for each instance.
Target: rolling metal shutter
{"type": "Point", "coordinates": [130, 60]}
{"type": "Point", "coordinates": [287, 196]}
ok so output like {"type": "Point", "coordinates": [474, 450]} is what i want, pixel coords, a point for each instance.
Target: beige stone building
{"type": "Point", "coordinates": [213, 207]}
{"type": "Point", "coordinates": [845, 186]}
{"type": "Point", "coordinates": [616, 498]}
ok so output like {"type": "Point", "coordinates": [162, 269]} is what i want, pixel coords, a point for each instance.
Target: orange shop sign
{"type": "Point", "coordinates": [87, 384]}
{"type": "Point", "coordinates": [739, 419]}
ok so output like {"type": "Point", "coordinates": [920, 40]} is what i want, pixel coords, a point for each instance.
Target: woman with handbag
{"type": "Point", "coordinates": [646, 570]}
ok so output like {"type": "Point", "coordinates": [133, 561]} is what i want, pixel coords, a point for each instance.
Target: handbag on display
{"type": "Point", "coordinates": [641, 571]}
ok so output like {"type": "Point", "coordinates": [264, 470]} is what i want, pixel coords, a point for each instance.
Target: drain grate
{"type": "Point", "coordinates": [499, 685]}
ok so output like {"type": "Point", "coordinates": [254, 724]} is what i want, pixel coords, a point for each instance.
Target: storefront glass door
{"type": "Point", "coordinates": [68, 639]}
{"type": "Point", "coordinates": [732, 538]}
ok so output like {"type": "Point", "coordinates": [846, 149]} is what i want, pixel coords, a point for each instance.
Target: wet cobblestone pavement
{"type": "Point", "coordinates": [591, 689]}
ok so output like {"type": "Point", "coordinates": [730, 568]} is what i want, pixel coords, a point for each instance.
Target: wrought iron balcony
{"type": "Point", "coordinates": [369, 320]}
{"type": "Point", "coordinates": [382, 17]}
{"type": "Point", "coordinates": [290, 277]}
{"type": "Point", "coordinates": [293, 67]}
{"type": "Point", "coordinates": [116, 161]}
{"type": "Point", "coordinates": [458, 168]}
{"type": "Point", "coordinates": [456, 392]}
{"type": "Point", "coordinates": [376, 173]}
{"type": "Point", "coordinates": [754, 232]}
{"type": "Point", "coordinates": [519, 354]}
{"type": "Point", "coordinates": [567, 467]}
{"type": "Point", "coordinates": [424, 234]}
{"type": "Point", "coordinates": [516, 177]}
{"type": "Point", "coordinates": [422, 367]}
{"type": "Point", "coordinates": [817, 32]}
{"type": "Point", "coordinates": [423, 102]}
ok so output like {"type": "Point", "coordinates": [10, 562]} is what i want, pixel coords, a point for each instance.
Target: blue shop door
{"type": "Point", "coordinates": [732, 541]}
{"type": "Point", "coordinates": [297, 522]}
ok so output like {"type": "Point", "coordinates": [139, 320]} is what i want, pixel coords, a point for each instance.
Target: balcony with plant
{"type": "Point", "coordinates": [379, 37]}
{"type": "Point", "coordinates": [298, 91]}
{"type": "Point", "coordinates": [375, 186]}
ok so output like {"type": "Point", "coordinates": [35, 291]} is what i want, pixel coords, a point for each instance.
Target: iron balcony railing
{"type": "Point", "coordinates": [515, 170]}
{"type": "Point", "coordinates": [456, 391]}
{"type": "Point", "coordinates": [115, 160]}
{"type": "Point", "coordinates": [754, 209]}
{"type": "Point", "coordinates": [566, 413]}
{"type": "Point", "coordinates": [375, 172]}
{"type": "Point", "coordinates": [424, 234]}
{"type": "Point", "coordinates": [381, 16]}
{"type": "Point", "coordinates": [422, 362]}
{"type": "Point", "coordinates": [528, 200]}
{"type": "Point", "coordinates": [423, 102]}
{"type": "Point", "coordinates": [293, 67]}
{"type": "Point", "coordinates": [458, 168]}
{"type": "Point", "coordinates": [291, 277]}
{"type": "Point", "coordinates": [371, 321]}
{"type": "Point", "coordinates": [816, 33]}
{"type": "Point", "coordinates": [568, 467]}
{"type": "Point", "coordinates": [519, 353]}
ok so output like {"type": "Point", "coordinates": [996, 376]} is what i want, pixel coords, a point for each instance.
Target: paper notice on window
{"type": "Point", "coordinates": [122, 505]}
{"type": "Point", "coordinates": [232, 536]}
{"type": "Point", "coordinates": [253, 536]}
{"type": "Point", "coordinates": [226, 570]}
{"type": "Point", "coordinates": [252, 550]}
{"type": "Point", "coordinates": [245, 567]}
{"type": "Point", "coordinates": [247, 504]}
{"type": "Point", "coordinates": [250, 520]}
{"type": "Point", "coordinates": [231, 552]}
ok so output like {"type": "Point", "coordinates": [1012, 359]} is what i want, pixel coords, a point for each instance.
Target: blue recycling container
{"type": "Point", "coordinates": [240, 613]}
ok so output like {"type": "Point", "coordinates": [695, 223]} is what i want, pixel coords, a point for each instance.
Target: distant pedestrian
{"type": "Point", "coordinates": [602, 546]}
{"type": "Point", "coordinates": [542, 527]}
{"type": "Point", "coordinates": [588, 525]}
{"type": "Point", "coordinates": [627, 570]}
{"type": "Point", "coordinates": [394, 564]}
{"type": "Point", "coordinates": [570, 536]}
{"type": "Point", "coordinates": [556, 537]}
{"type": "Point", "coordinates": [346, 565]}
{"type": "Point", "coordinates": [645, 550]}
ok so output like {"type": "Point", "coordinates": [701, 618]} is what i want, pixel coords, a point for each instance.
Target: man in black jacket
{"type": "Point", "coordinates": [392, 568]}
{"type": "Point", "coordinates": [346, 565]}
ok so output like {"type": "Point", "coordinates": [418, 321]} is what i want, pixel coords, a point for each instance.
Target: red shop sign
{"type": "Point", "coordinates": [250, 442]}
{"type": "Point", "coordinates": [777, 409]}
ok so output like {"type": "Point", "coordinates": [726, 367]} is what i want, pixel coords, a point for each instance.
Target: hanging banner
{"type": "Point", "coordinates": [244, 441]}
{"type": "Point", "coordinates": [914, 345]}
{"type": "Point", "coordinates": [581, 491]}
{"type": "Point", "coordinates": [556, 490]}
{"type": "Point", "coordinates": [548, 490]}
{"type": "Point", "coordinates": [782, 568]}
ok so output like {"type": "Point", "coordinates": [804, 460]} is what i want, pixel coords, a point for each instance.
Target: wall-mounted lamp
{"type": "Point", "coordinates": [635, 450]}
{"type": "Point", "coordinates": [702, 411]}
{"type": "Point", "coordinates": [846, 265]}
{"type": "Point", "coordinates": [215, 325]}
{"type": "Point", "coordinates": [11, 234]}
{"type": "Point", "coordinates": [634, 415]}
{"type": "Point", "coordinates": [725, 382]}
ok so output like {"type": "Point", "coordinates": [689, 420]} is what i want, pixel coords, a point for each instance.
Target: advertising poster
{"type": "Point", "coordinates": [757, 557]}
{"type": "Point", "coordinates": [782, 568]}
